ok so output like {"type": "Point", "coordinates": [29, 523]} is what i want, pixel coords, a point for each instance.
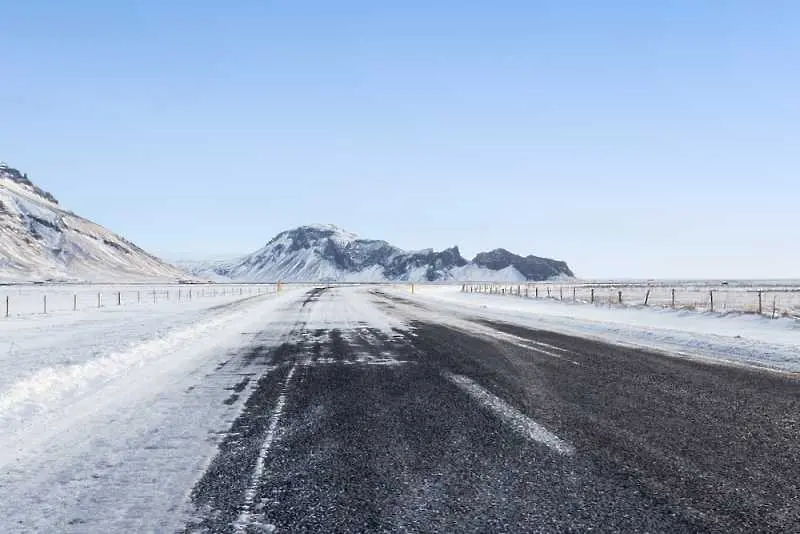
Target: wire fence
{"type": "Point", "coordinates": [31, 300]}
{"type": "Point", "coordinates": [773, 301]}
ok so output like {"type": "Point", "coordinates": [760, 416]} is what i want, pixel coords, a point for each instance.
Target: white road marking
{"type": "Point", "coordinates": [541, 351]}
{"type": "Point", "coordinates": [244, 519]}
{"type": "Point", "coordinates": [536, 346]}
{"type": "Point", "coordinates": [516, 419]}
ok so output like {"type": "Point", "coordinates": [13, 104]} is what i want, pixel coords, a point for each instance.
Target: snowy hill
{"type": "Point", "coordinates": [328, 253]}
{"type": "Point", "coordinates": [41, 241]}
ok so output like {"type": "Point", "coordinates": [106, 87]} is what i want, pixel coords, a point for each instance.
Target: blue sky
{"type": "Point", "coordinates": [631, 139]}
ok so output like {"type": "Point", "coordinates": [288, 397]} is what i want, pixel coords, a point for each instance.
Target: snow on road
{"type": "Point", "coordinates": [106, 420]}
{"type": "Point", "coordinates": [746, 339]}
{"type": "Point", "coordinates": [34, 343]}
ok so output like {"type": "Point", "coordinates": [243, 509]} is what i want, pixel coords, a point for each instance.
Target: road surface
{"type": "Point", "coordinates": [491, 427]}
{"type": "Point", "coordinates": [369, 409]}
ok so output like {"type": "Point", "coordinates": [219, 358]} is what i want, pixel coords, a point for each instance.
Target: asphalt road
{"type": "Point", "coordinates": [432, 428]}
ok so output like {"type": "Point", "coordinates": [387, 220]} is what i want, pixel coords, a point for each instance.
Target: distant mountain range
{"type": "Point", "coordinates": [41, 241]}
{"type": "Point", "coordinates": [328, 253]}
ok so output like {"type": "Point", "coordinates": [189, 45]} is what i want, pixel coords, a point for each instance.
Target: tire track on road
{"type": "Point", "coordinates": [224, 497]}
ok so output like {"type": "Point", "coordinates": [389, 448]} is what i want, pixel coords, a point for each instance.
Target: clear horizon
{"type": "Point", "coordinates": [630, 140]}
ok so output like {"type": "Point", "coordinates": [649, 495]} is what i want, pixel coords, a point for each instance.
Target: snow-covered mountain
{"type": "Point", "coordinates": [328, 253]}
{"type": "Point", "coordinates": [40, 241]}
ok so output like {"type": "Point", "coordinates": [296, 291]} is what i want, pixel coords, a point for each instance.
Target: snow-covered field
{"type": "Point", "coordinates": [769, 297]}
{"type": "Point", "coordinates": [744, 338]}
{"type": "Point", "coordinates": [55, 298]}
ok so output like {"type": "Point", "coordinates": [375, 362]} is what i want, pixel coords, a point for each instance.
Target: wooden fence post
{"type": "Point", "coordinates": [620, 296]}
{"type": "Point", "coordinates": [119, 298]}
{"type": "Point", "coordinates": [561, 292]}
{"type": "Point", "coordinates": [774, 306]}
{"type": "Point", "coordinates": [673, 297]}
{"type": "Point", "coordinates": [99, 299]}
{"type": "Point", "coordinates": [6, 305]}
{"type": "Point", "coordinates": [592, 297]}
{"type": "Point", "coordinates": [574, 297]}
{"type": "Point", "coordinates": [647, 296]}
{"type": "Point", "coordinates": [44, 300]}
{"type": "Point", "coordinates": [759, 302]}
{"type": "Point", "coordinates": [711, 294]}
{"type": "Point", "coordinates": [75, 302]}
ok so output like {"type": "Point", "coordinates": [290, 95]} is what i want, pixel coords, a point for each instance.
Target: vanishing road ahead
{"type": "Point", "coordinates": [375, 412]}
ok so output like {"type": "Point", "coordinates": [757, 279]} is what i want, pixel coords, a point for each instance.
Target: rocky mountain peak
{"type": "Point", "coordinates": [14, 175]}
{"type": "Point", "coordinates": [532, 267]}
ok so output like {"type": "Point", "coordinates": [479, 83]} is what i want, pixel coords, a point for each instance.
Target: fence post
{"type": "Point", "coordinates": [75, 302]}
{"type": "Point", "coordinates": [592, 297]}
{"type": "Point", "coordinates": [759, 302]}
{"type": "Point", "coordinates": [774, 306]}
{"type": "Point", "coordinates": [620, 296]}
{"type": "Point", "coordinates": [711, 294]}
{"type": "Point", "coordinates": [548, 291]}
{"type": "Point", "coordinates": [561, 292]}
{"type": "Point", "coordinates": [673, 297]}
{"type": "Point", "coordinates": [99, 301]}
{"type": "Point", "coordinates": [574, 297]}
{"type": "Point", "coordinates": [6, 305]}
{"type": "Point", "coordinates": [647, 296]}
{"type": "Point", "coordinates": [155, 298]}
{"type": "Point", "coordinates": [119, 298]}
{"type": "Point", "coordinates": [138, 297]}
{"type": "Point", "coordinates": [536, 290]}
{"type": "Point", "coordinates": [44, 300]}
